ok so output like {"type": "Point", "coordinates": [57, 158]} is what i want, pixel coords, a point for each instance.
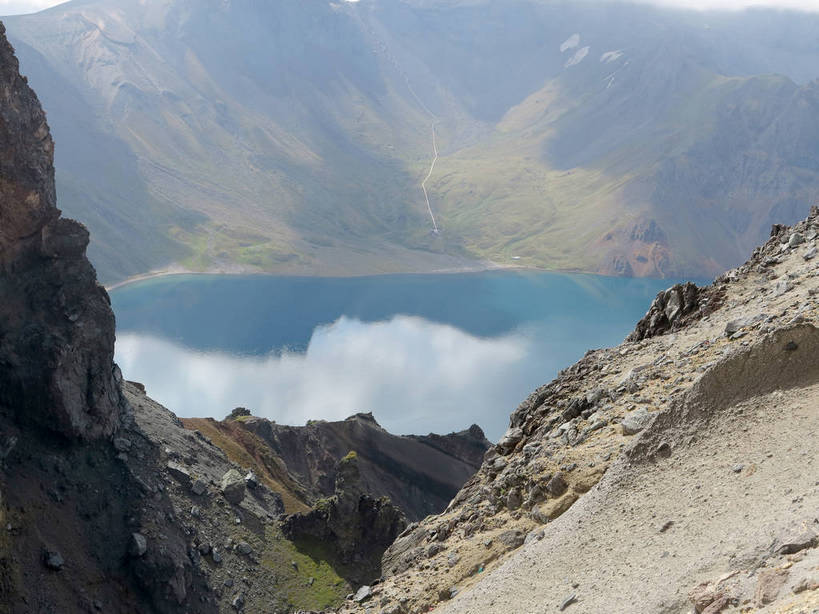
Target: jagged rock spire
{"type": "Point", "coordinates": [56, 323]}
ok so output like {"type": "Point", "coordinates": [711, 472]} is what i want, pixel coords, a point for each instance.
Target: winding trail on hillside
{"type": "Point", "coordinates": [429, 174]}
{"type": "Point", "coordinates": [434, 144]}
{"type": "Point", "coordinates": [382, 47]}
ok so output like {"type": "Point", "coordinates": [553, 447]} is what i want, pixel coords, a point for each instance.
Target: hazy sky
{"type": "Point", "coordinates": [11, 7]}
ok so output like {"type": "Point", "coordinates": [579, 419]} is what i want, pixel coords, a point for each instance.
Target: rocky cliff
{"type": "Point", "coordinates": [56, 323]}
{"type": "Point", "coordinates": [674, 472]}
{"type": "Point", "coordinates": [357, 526]}
{"type": "Point", "coordinates": [420, 474]}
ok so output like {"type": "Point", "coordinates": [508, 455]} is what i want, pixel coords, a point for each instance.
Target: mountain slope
{"type": "Point", "coordinates": [602, 137]}
{"type": "Point", "coordinates": [624, 481]}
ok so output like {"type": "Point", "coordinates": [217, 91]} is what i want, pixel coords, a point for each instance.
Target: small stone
{"type": "Point", "coordinates": [511, 539]}
{"type": "Point", "coordinates": [453, 590]}
{"type": "Point", "coordinates": [768, 586]}
{"type": "Point", "coordinates": [138, 545]}
{"type": "Point", "coordinates": [782, 287]}
{"type": "Point", "coordinates": [179, 473]}
{"type": "Point", "coordinates": [733, 326]}
{"type": "Point", "coordinates": [204, 549]}
{"type": "Point", "coordinates": [805, 584]}
{"type": "Point", "coordinates": [238, 602]}
{"type": "Point", "coordinates": [810, 254]}
{"type": "Point", "coordinates": [510, 440]}
{"type": "Point", "coordinates": [362, 594]}
{"type": "Point", "coordinates": [53, 560]}
{"type": "Point", "coordinates": [452, 559]}
{"type": "Point", "coordinates": [557, 485]}
{"type": "Point", "coordinates": [796, 239]}
{"type": "Point", "coordinates": [796, 541]}
{"type": "Point", "coordinates": [216, 556]}
{"type": "Point", "coordinates": [568, 601]}
{"type": "Point", "coordinates": [636, 421]}
{"type": "Point", "coordinates": [514, 499]}
{"type": "Point", "coordinates": [243, 548]}
{"type": "Point", "coordinates": [737, 468]}
{"type": "Point", "coordinates": [666, 526]}
{"type": "Point", "coordinates": [199, 486]}
{"type": "Point", "coordinates": [251, 481]}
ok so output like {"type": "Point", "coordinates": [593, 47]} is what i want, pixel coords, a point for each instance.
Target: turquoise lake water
{"type": "Point", "coordinates": [422, 352]}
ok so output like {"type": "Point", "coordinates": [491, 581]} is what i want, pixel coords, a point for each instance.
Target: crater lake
{"type": "Point", "coordinates": [423, 353]}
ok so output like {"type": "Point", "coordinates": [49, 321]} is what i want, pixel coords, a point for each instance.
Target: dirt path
{"type": "Point", "coordinates": [741, 477]}
{"type": "Point", "coordinates": [429, 174]}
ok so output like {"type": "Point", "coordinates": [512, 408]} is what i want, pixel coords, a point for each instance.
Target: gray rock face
{"type": "Point", "coordinates": [673, 307]}
{"type": "Point", "coordinates": [57, 325]}
{"type": "Point", "coordinates": [233, 486]}
{"type": "Point", "coordinates": [510, 440]}
{"type": "Point", "coordinates": [796, 239]}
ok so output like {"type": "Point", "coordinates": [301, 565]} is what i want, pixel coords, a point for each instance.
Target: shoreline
{"type": "Point", "coordinates": [170, 272]}
{"type": "Point", "coordinates": [479, 267]}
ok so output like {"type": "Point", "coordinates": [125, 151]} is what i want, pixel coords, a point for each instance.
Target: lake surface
{"type": "Point", "coordinates": [422, 352]}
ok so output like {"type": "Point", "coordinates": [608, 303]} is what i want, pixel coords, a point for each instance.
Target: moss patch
{"type": "Point", "coordinates": [312, 583]}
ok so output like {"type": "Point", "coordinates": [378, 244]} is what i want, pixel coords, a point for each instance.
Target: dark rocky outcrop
{"type": "Point", "coordinates": [675, 308]}
{"type": "Point", "coordinates": [355, 526]}
{"type": "Point", "coordinates": [420, 474]}
{"type": "Point", "coordinates": [56, 323]}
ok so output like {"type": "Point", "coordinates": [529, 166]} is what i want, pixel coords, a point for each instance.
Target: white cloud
{"type": "Point", "coordinates": [18, 7]}
{"type": "Point", "coordinates": [414, 375]}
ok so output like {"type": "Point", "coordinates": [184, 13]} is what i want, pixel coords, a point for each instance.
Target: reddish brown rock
{"type": "Point", "coordinates": [768, 586]}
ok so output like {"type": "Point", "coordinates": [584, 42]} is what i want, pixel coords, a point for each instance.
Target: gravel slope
{"type": "Point", "coordinates": [740, 477]}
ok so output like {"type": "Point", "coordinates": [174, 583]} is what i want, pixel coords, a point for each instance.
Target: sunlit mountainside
{"type": "Point", "coordinates": [294, 136]}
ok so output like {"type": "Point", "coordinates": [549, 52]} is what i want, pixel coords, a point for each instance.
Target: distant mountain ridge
{"type": "Point", "coordinates": [420, 474]}
{"type": "Point", "coordinates": [601, 137]}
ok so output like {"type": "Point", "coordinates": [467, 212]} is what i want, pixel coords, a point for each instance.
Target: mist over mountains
{"type": "Point", "coordinates": [293, 137]}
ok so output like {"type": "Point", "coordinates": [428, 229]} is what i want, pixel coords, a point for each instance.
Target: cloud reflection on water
{"type": "Point", "coordinates": [414, 375]}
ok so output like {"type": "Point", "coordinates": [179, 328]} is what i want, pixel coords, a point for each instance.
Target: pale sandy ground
{"type": "Point", "coordinates": [609, 550]}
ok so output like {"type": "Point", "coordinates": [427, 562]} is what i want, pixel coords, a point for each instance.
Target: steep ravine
{"type": "Point", "coordinates": [107, 502]}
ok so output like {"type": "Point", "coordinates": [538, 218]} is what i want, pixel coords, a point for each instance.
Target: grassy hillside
{"type": "Point", "coordinates": [600, 137]}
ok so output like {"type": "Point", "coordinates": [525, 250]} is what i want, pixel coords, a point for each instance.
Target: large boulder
{"type": "Point", "coordinates": [233, 486]}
